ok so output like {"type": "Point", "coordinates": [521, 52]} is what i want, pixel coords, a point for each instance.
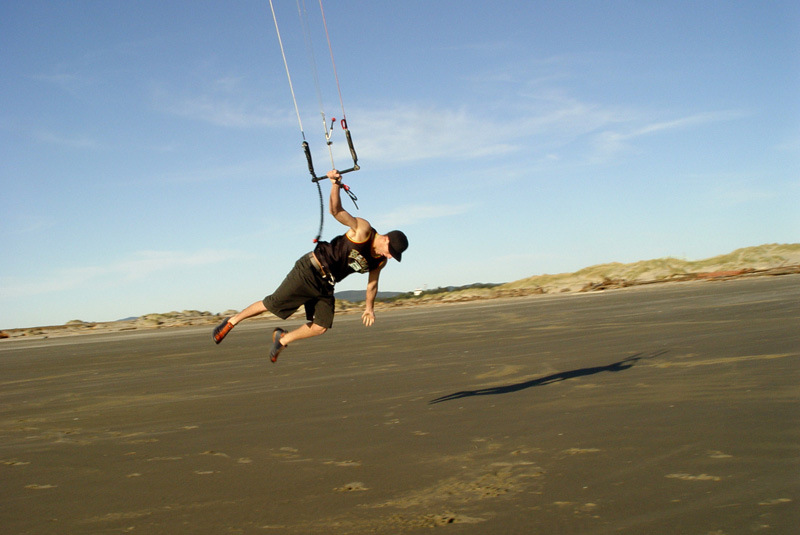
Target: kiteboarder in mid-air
{"type": "Point", "coordinates": [359, 250]}
{"type": "Point", "coordinates": [310, 283]}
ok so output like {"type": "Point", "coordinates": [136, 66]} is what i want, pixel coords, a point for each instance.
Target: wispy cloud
{"type": "Point", "coordinates": [743, 195]}
{"type": "Point", "coordinates": [73, 83]}
{"type": "Point", "coordinates": [200, 174]}
{"type": "Point", "coordinates": [26, 224]}
{"type": "Point", "coordinates": [75, 142]}
{"type": "Point", "coordinates": [35, 133]}
{"type": "Point", "coordinates": [413, 214]}
{"type": "Point", "coordinates": [539, 127]}
{"type": "Point", "coordinates": [226, 113]}
{"type": "Point", "coordinates": [493, 47]}
{"type": "Point", "coordinates": [735, 190]}
{"type": "Point", "coordinates": [729, 189]}
{"type": "Point", "coordinates": [687, 122]}
{"type": "Point", "coordinates": [541, 122]}
{"type": "Point", "coordinates": [137, 266]}
{"type": "Point", "coordinates": [789, 145]}
{"type": "Point", "coordinates": [224, 101]}
{"type": "Point", "coordinates": [411, 133]}
{"type": "Point", "coordinates": [608, 143]}
{"type": "Point", "coordinates": [145, 263]}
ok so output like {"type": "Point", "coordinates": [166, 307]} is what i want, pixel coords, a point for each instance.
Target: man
{"type": "Point", "coordinates": [310, 283]}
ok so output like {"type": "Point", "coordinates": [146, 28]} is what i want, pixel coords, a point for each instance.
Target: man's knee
{"type": "Point", "coordinates": [318, 330]}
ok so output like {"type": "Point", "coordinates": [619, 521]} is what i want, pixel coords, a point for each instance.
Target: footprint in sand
{"type": "Point", "coordinates": [142, 441]}
{"type": "Point", "coordinates": [501, 371]}
{"type": "Point", "coordinates": [15, 463]}
{"type": "Point", "coordinates": [719, 455]}
{"type": "Point", "coordinates": [216, 453]}
{"type": "Point", "coordinates": [580, 451]}
{"type": "Point", "coordinates": [355, 486]}
{"type": "Point", "coordinates": [776, 501]}
{"type": "Point", "coordinates": [344, 463]}
{"type": "Point", "coordinates": [287, 452]}
{"type": "Point", "coordinates": [689, 477]}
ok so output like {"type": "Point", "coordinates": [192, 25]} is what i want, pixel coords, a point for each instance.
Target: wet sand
{"type": "Point", "coordinates": [660, 409]}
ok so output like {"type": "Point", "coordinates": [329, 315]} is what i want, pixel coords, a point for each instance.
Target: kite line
{"type": "Point", "coordinates": [328, 131]}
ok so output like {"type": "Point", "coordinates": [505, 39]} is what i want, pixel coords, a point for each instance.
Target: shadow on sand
{"type": "Point", "coordinates": [624, 364]}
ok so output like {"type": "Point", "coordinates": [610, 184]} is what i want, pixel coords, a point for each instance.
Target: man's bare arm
{"type": "Point", "coordinates": [359, 228]}
{"type": "Point", "coordinates": [340, 214]}
{"type": "Point", "coordinates": [368, 317]}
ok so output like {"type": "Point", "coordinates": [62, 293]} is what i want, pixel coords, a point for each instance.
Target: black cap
{"type": "Point", "coordinates": [397, 244]}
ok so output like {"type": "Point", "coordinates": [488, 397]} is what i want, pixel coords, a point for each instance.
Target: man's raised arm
{"type": "Point", "coordinates": [340, 214]}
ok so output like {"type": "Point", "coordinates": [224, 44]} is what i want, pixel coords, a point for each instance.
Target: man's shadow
{"type": "Point", "coordinates": [624, 364]}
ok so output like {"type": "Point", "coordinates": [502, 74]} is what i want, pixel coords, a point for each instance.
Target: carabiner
{"type": "Point", "coordinates": [328, 131]}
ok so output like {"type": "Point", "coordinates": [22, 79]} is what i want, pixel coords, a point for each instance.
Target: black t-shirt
{"type": "Point", "coordinates": [342, 256]}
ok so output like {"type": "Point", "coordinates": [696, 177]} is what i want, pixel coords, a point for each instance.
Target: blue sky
{"type": "Point", "coordinates": [151, 156]}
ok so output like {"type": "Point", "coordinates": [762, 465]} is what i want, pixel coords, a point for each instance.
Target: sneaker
{"type": "Point", "coordinates": [221, 330]}
{"type": "Point", "coordinates": [277, 346]}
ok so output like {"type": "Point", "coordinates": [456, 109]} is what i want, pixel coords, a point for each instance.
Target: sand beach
{"type": "Point", "coordinates": [652, 409]}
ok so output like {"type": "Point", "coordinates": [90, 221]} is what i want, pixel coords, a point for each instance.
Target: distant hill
{"type": "Point", "coordinates": [760, 257]}
{"type": "Point", "coordinates": [611, 275]}
{"type": "Point", "coordinates": [356, 296]}
{"type": "Point", "coordinates": [771, 259]}
{"type": "Point", "coordinates": [749, 261]}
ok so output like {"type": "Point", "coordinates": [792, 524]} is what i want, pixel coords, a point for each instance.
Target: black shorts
{"type": "Point", "coordinates": [304, 286]}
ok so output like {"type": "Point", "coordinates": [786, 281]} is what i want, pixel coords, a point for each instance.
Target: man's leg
{"type": "Point", "coordinates": [222, 330]}
{"type": "Point", "coordinates": [253, 310]}
{"type": "Point", "coordinates": [319, 313]}
{"type": "Point", "coordinates": [308, 330]}
{"type": "Point", "coordinates": [281, 339]}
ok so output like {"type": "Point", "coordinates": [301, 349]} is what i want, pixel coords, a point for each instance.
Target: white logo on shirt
{"type": "Point", "coordinates": [357, 262]}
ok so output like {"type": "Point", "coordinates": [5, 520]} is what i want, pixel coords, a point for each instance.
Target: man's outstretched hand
{"type": "Point", "coordinates": [368, 318]}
